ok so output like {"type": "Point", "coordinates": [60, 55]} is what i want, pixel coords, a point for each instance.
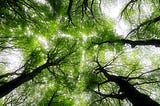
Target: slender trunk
{"type": "Point", "coordinates": [9, 86]}
{"type": "Point", "coordinates": [152, 42]}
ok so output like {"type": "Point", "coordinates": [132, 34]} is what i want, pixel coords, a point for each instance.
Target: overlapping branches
{"type": "Point", "coordinates": [82, 8]}
{"type": "Point", "coordinates": [125, 90]}
{"type": "Point", "coordinates": [145, 24]}
{"type": "Point", "coordinates": [55, 57]}
{"type": "Point", "coordinates": [5, 42]}
{"type": "Point", "coordinates": [19, 10]}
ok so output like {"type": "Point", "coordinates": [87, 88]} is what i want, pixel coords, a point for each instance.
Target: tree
{"type": "Point", "coordinates": [71, 54]}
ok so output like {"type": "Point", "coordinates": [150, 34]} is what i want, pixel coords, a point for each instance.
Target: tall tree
{"type": "Point", "coordinates": [71, 55]}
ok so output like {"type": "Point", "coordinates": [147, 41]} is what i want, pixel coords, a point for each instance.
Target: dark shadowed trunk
{"type": "Point", "coordinates": [11, 85]}
{"type": "Point", "coordinates": [152, 42]}
{"type": "Point", "coordinates": [130, 92]}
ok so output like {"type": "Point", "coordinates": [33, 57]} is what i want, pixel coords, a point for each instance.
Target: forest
{"type": "Point", "coordinates": [79, 53]}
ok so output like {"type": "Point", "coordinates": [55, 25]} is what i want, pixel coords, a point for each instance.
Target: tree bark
{"type": "Point", "coordinates": [152, 42]}
{"type": "Point", "coordinates": [130, 92]}
{"type": "Point", "coordinates": [9, 86]}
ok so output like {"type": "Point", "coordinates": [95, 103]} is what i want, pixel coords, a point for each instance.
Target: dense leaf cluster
{"type": "Point", "coordinates": [68, 54]}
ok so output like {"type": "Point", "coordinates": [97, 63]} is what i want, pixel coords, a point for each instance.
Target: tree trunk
{"type": "Point", "coordinates": [9, 86]}
{"type": "Point", "coordinates": [152, 42]}
{"type": "Point", "coordinates": [130, 92]}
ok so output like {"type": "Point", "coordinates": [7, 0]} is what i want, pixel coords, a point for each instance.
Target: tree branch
{"type": "Point", "coordinates": [130, 92]}
{"type": "Point", "coordinates": [117, 96]}
{"type": "Point", "coordinates": [69, 11]}
{"type": "Point", "coordinates": [147, 82]}
{"type": "Point", "coordinates": [11, 85]}
{"type": "Point", "coordinates": [127, 5]}
{"type": "Point", "coordinates": [151, 42]}
{"type": "Point", "coordinates": [148, 22]}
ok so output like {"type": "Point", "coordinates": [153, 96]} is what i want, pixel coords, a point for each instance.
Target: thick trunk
{"type": "Point", "coordinates": [9, 86]}
{"type": "Point", "coordinates": [130, 92]}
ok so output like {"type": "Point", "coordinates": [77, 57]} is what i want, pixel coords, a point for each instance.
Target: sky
{"type": "Point", "coordinates": [12, 58]}
{"type": "Point", "coordinates": [112, 9]}
{"type": "Point", "coordinates": [15, 58]}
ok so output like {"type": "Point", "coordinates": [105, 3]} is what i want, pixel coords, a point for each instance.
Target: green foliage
{"type": "Point", "coordinates": [103, 35]}
{"type": "Point", "coordinates": [91, 80]}
{"type": "Point", "coordinates": [57, 6]}
{"type": "Point", "coordinates": [143, 17]}
{"type": "Point", "coordinates": [68, 42]}
{"type": "Point", "coordinates": [54, 97]}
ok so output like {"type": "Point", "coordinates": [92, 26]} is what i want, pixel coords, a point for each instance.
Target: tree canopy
{"type": "Point", "coordinates": [67, 52]}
